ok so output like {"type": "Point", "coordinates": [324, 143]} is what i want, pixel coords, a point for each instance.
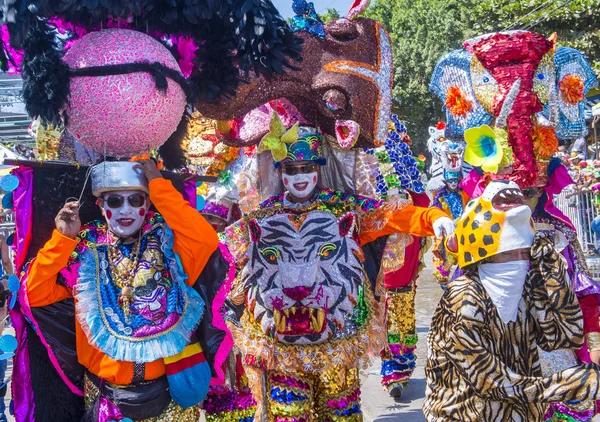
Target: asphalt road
{"type": "Point", "coordinates": [377, 405]}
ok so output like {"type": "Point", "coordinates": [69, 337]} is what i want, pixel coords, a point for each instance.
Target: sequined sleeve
{"type": "Point", "coordinates": [237, 240]}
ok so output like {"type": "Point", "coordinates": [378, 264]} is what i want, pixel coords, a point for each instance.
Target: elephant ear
{"type": "Point", "coordinates": [451, 82]}
{"type": "Point", "coordinates": [574, 78]}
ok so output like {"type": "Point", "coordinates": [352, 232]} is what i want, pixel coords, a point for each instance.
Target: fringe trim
{"type": "Point", "coordinates": [126, 348]}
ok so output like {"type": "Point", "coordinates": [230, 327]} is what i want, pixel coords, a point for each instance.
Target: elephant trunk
{"type": "Point", "coordinates": [519, 125]}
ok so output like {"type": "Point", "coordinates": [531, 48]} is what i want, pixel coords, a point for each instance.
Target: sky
{"type": "Point", "coordinates": [321, 6]}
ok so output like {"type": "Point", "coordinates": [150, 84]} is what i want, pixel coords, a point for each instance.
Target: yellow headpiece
{"type": "Point", "coordinates": [495, 222]}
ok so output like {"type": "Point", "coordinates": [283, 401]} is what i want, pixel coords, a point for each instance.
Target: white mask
{"type": "Point", "coordinates": [125, 221]}
{"type": "Point", "coordinates": [300, 185]}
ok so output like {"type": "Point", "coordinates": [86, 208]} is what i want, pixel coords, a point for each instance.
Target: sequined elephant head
{"type": "Point", "coordinates": [521, 83]}
{"type": "Point", "coordinates": [304, 276]}
{"type": "Point", "coordinates": [343, 84]}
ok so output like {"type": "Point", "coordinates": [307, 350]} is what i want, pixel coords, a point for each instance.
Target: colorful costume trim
{"type": "Point", "coordinates": [398, 359]}
{"type": "Point", "coordinates": [140, 337]}
{"type": "Point", "coordinates": [219, 321]}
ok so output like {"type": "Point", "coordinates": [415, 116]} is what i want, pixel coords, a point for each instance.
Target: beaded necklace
{"type": "Point", "coordinates": [124, 273]}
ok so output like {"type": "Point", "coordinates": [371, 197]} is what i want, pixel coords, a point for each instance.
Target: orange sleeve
{"type": "Point", "coordinates": [195, 239]}
{"type": "Point", "coordinates": [41, 286]}
{"type": "Point", "coordinates": [413, 220]}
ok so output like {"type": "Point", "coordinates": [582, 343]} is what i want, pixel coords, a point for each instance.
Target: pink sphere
{"type": "Point", "coordinates": [127, 113]}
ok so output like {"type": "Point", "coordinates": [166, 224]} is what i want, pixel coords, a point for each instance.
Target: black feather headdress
{"type": "Point", "coordinates": [231, 34]}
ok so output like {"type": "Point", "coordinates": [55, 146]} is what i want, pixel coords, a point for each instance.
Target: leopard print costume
{"type": "Point", "coordinates": [481, 369]}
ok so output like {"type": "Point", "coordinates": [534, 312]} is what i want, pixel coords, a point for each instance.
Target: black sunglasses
{"type": "Point", "coordinates": [304, 169]}
{"type": "Point", "coordinates": [116, 201]}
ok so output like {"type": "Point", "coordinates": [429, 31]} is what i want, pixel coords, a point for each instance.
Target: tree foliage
{"type": "Point", "coordinates": [422, 31]}
{"type": "Point", "coordinates": [330, 15]}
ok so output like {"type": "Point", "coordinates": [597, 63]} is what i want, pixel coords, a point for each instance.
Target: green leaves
{"type": "Point", "coordinates": [422, 31]}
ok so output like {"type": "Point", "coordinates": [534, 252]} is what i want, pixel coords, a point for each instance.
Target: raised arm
{"type": "Point", "coordinates": [195, 239]}
{"type": "Point", "coordinates": [41, 277]}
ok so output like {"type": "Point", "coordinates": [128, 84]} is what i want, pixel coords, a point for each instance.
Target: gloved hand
{"type": "Point", "coordinates": [443, 226]}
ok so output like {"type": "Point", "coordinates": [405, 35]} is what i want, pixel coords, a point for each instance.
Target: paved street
{"type": "Point", "coordinates": [378, 406]}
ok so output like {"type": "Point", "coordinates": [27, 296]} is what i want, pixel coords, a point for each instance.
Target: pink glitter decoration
{"type": "Point", "coordinates": [125, 112]}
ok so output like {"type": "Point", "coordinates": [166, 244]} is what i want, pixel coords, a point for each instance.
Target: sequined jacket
{"type": "Point", "coordinates": [482, 369]}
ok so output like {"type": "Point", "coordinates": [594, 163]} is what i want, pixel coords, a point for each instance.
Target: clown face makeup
{"type": "Point", "coordinates": [125, 211]}
{"type": "Point", "coordinates": [300, 180]}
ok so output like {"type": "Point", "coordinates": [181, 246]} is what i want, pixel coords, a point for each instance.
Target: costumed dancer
{"type": "Point", "coordinates": [452, 199]}
{"type": "Point", "coordinates": [229, 399]}
{"type": "Point", "coordinates": [398, 176]}
{"type": "Point", "coordinates": [310, 315]}
{"type": "Point", "coordinates": [543, 89]}
{"type": "Point", "coordinates": [483, 362]}
{"type": "Point", "coordinates": [447, 170]}
{"type": "Point", "coordinates": [130, 275]}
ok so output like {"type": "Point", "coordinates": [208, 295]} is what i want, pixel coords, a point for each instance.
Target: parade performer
{"type": "Point", "coordinates": [310, 314]}
{"type": "Point", "coordinates": [229, 397]}
{"type": "Point", "coordinates": [483, 361]}
{"type": "Point", "coordinates": [452, 199]}
{"type": "Point", "coordinates": [532, 94]}
{"type": "Point", "coordinates": [130, 275]}
{"type": "Point", "coordinates": [447, 158]}
{"type": "Point", "coordinates": [395, 174]}
{"type": "Point", "coordinates": [398, 359]}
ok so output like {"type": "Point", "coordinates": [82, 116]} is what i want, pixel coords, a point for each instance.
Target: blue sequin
{"type": "Point", "coordinates": [287, 397]}
{"type": "Point", "coordinates": [306, 19]}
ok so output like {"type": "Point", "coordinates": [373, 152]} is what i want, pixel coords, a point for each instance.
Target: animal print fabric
{"type": "Point", "coordinates": [481, 369]}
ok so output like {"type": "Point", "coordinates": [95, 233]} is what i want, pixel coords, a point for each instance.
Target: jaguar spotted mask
{"type": "Point", "coordinates": [498, 221]}
{"type": "Point", "coordinates": [304, 276]}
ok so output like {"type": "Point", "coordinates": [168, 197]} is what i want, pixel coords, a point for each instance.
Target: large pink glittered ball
{"type": "Point", "coordinates": [126, 113]}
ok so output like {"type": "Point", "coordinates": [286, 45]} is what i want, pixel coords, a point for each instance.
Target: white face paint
{"type": "Point", "coordinates": [125, 221]}
{"type": "Point", "coordinates": [300, 185]}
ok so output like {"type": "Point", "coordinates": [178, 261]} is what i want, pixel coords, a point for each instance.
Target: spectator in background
{"type": "Point", "coordinates": [579, 147]}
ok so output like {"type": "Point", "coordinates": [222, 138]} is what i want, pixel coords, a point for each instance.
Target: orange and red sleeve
{"type": "Point", "coordinates": [195, 239]}
{"type": "Point", "coordinates": [42, 289]}
{"type": "Point", "coordinates": [417, 221]}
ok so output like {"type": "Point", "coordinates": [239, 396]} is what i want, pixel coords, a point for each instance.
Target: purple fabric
{"type": "Point", "coordinates": [107, 411]}
{"type": "Point", "coordinates": [585, 415]}
{"type": "Point", "coordinates": [473, 184]}
{"type": "Point", "coordinates": [22, 393]}
{"type": "Point", "coordinates": [189, 191]}
{"type": "Point", "coordinates": [559, 179]}
{"type": "Point", "coordinates": [23, 204]}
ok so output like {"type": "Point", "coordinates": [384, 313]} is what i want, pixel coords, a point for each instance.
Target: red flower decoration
{"type": "Point", "coordinates": [440, 125]}
{"type": "Point", "coordinates": [571, 89]}
{"type": "Point", "coordinates": [456, 102]}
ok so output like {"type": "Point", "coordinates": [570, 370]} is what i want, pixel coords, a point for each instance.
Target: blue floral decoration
{"type": "Point", "coordinates": [405, 173]}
